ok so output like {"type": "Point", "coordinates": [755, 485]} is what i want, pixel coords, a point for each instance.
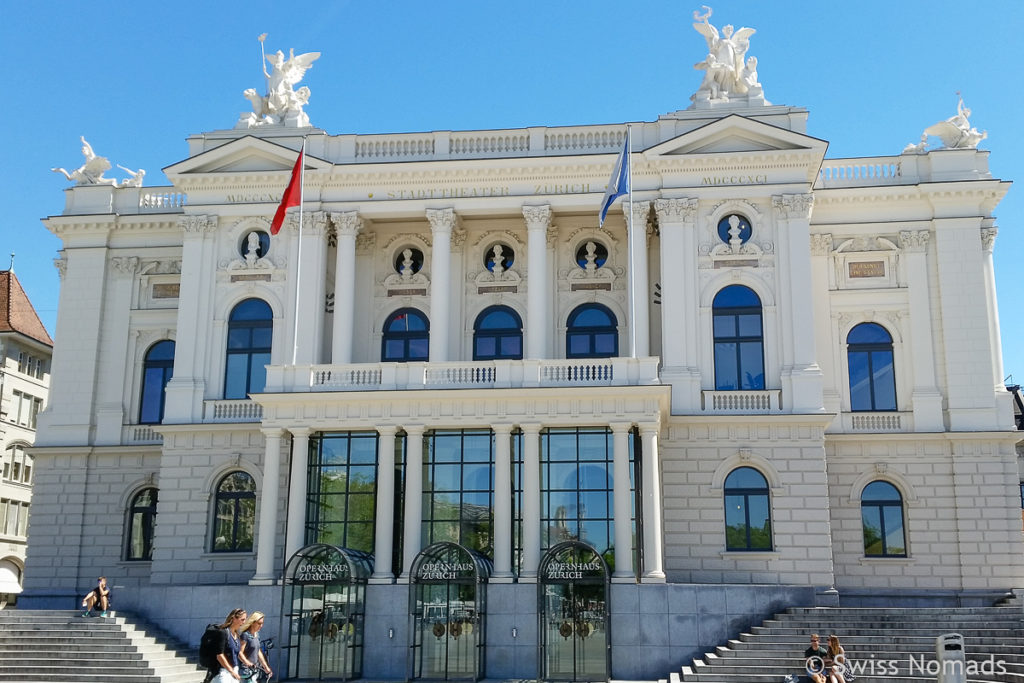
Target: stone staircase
{"type": "Point", "coordinates": [884, 645]}
{"type": "Point", "coordinates": [63, 647]}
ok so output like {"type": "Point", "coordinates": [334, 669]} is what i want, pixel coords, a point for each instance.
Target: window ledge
{"type": "Point", "coordinates": [241, 555]}
{"type": "Point", "coordinates": [895, 561]}
{"type": "Point", "coordinates": [749, 554]}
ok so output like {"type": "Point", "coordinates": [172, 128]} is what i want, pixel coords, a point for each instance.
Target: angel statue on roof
{"type": "Point", "coordinates": [282, 105]}
{"type": "Point", "coordinates": [728, 72]}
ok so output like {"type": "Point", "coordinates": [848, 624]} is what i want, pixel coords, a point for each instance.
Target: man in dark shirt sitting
{"type": "Point", "coordinates": [814, 660]}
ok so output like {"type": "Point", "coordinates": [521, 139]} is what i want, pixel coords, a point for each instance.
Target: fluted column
{"type": "Point", "coordinates": [346, 227]}
{"type": "Point", "coordinates": [639, 297]}
{"type": "Point", "coordinates": [413, 497]}
{"type": "Point", "coordinates": [295, 531]}
{"type": "Point", "coordinates": [307, 338]}
{"type": "Point", "coordinates": [652, 508]}
{"type": "Point", "coordinates": [269, 496]}
{"type": "Point", "coordinates": [502, 502]}
{"type": "Point", "coordinates": [621, 503]}
{"type": "Point", "coordinates": [383, 542]}
{"type": "Point", "coordinates": [926, 398]}
{"type": "Point", "coordinates": [442, 222]}
{"type": "Point", "coordinates": [680, 302]}
{"type": "Point", "coordinates": [801, 377]}
{"type": "Point", "coordinates": [538, 280]}
{"type": "Point", "coordinates": [531, 502]}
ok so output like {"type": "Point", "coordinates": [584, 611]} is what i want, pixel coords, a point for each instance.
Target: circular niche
{"type": "Point", "coordinates": [408, 258]}
{"type": "Point", "coordinates": [499, 253]}
{"type": "Point", "coordinates": [591, 251]}
{"type": "Point", "coordinates": [254, 240]}
{"type": "Point", "coordinates": [734, 226]}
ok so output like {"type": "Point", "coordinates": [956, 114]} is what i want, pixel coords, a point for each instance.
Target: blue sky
{"type": "Point", "coordinates": [137, 78]}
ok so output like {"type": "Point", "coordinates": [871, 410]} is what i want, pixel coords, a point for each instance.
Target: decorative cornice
{"type": "Point", "coordinates": [537, 217]}
{"type": "Point", "coordinates": [914, 240]}
{"type": "Point", "coordinates": [441, 220]}
{"type": "Point", "coordinates": [347, 223]}
{"type": "Point", "coordinates": [793, 205]}
{"type": "Point", "coordinates": [821, 245]}
{"type": "Point", "coordinates": [675, 210]}
{"type": "Point", "coordinates": [988, 239]}
{"type": "Point", "coordinates": [198, 224]}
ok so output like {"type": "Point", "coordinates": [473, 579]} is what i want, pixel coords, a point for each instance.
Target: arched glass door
{"type": "Point", "coordinates": [573, 596]}
{"type": "Point", "coordinates": [448, 612]}
{"type": "Point", "coordinates": [324, 609]}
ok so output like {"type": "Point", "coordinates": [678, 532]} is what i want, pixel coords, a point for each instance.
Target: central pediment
{"type": "Point", "coordinates": [249, 155]}
{"type": "Point", "coordinates": [735, 135]}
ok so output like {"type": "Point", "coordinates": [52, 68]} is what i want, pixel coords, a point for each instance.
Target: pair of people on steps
{"type": "Point", "coordinates": [827, 664]}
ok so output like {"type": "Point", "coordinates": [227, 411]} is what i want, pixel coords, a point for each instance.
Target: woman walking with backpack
{"type": "Point", "coordinates": [250, 655]}
{"type": "Point", "coordinates": [226, 669]}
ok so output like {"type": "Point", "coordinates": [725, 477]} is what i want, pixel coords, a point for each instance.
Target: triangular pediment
{"type": "Point", "coordinates": [732, 135]}
{"type": "Point", "coordinates": [248, 154]}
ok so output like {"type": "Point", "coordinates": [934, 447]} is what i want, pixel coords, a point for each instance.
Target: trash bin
{"type": "Point", "coordinates": [949, 653]}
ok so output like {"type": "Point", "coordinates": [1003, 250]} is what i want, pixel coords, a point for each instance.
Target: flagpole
{"type": "Point", "coordinates": [630, 228]}
{"type": "Point", "coordinates": [298, 269]}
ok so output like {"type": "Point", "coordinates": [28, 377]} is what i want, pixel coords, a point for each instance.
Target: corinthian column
{"type": "Point", "coordinates": [538, 287]}
{"type": "Point", "coordinates": [639, 299]}
{"type": "Point", "coordinates": [346, 226]}
{"type": "Point", "coordinates": [308, 334]}
{"type": "Point", "coordinates": [442, 222]}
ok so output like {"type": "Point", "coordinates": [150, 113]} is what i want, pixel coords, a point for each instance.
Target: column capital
{"type": "Point", "coordinates": [794, 205]}
{"type": "Point", "coordinates": [272, 432]}
{"type": "Point", "coordinates": [198, 224]}
{"type": "Point", "coordinates": [648, 427]}
{"type": "Point", "coordinates": [300, 432]}
{"type": "Point", "coordinates": [617, 427]}
{"type": "Point", "coordinates": [640, 211]}
{"type": "Point", "coordinates": [347, 223]}
{"type": "Point", "coordinates": [442, 220]}
{"type": "Point", "coordinates": [502, 428]}
{"type": "Point", "coordinates": [821, 245]}
{"type": "Point", "coordinates": [915, 240]}
{"type": "Point", "coordinates": [537, 217]}
{"type": "Point", "coordinates": [386, 430]}
{"type": "Point", "coordinates": [988, 239]}
{"type": "Point", "coordinates": [531, 427]}
{"type": "Point", "coordinates": [682, 210]}
{"type": "Point", "coordinates": [414, 430]}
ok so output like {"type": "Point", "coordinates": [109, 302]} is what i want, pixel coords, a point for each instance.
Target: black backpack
{"type": "Point", "coordinates": [211, 645]}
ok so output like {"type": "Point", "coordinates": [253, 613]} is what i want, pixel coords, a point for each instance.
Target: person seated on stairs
{"type": "Point", "coordinates": [814, 660]}
{"type": "Point", "coordinates": [99, 595]}
{"type": "Point", "coordinates": [836, 662]}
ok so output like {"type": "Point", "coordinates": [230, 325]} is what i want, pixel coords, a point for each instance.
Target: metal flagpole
{"type": "Point", "coordinates": [298, 269]}
{"type": "Point", "coordinates": [630, 228]}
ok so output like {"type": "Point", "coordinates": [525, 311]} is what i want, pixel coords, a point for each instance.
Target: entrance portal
{"type": "Point", "coordinates": [324, 607]}
{"type": "Point", "coordinates": [448, 612]}
{"type": "Point", "coordinates": [573, 596]}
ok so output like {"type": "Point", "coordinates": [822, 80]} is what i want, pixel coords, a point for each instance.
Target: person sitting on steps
{"type": "Point", "coordinates": [99, 595]}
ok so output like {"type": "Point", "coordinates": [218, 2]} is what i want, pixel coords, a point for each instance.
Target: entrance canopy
{"type": "Point", "coordinates": [448, 562]}
{"type": "Point", "coordinates": [573, 562]}
{"type": "Point", "coordinates": [328, 564]}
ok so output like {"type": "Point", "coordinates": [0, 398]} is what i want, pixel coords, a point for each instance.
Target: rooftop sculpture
{"type": "Point", "coordinates": [729, 75]}
{"type": "Point", "coordinates": [956, 131]}
{"type": "Point", "coordinates": [91, 172]}
{"type": "Point", "coordinates": [282, 105]}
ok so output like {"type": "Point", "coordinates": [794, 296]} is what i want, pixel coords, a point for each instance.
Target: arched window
{"type": "Point", "coordinates": [406, 336]}
{"type": "Point", "coordinates": [872, 377]}
{"type": "Point", "coordinates": [250, 329]}
{"type": "Point", "coordinates": [592, 332]}
{"type": "Point", "coordinates": [498, 333]}
{"type": "Point", "coordinates": [156, 372]}
{"type": "Point", "coordinates": [748, 519]}
{"type": "Point", "coordinates": [235, 514]}
{"type": "Point", "coordinates": [739, 340]}
{"type": "Point", "coordinates": [141, 517]}
{"type": "Point", "coordinates": [881, 511]}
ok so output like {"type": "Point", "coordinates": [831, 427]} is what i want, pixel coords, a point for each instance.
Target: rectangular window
{"type": "Point", "coordinates": [12, 517]}
{"type": "Point", "coordinates": [341, 494]}
{"type": "Point", "coordinates": [23, 520]}
{"type": "Point", "coordinates": [34, 410]}
{"type": "Point", "coordinates": [458, 489]}
{"type": "Point", "coordinates": [3, 515]}
{"type": "Point", "coordinates": [22, 362]}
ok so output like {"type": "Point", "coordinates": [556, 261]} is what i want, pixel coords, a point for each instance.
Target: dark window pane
{"type": "Point", "coordinates": [871, 518]}
{"type": "Point", "coordinates": [594, 476]}
{"type": "Point", "coordinates": [236, 376]}
{"type": "Point", "coordinates": [239, 338]}
{"type": "Point", "coordinates": [881, 491]}
{"type": "Point", "coordinates": [892, 517]}
{"type": "Point", "coordinates": [752, 365]}
{"type": "Point", "coordinates": [725, 367]}
{"type": "Point", "coordinates": [868, 333]}
{"type": "Point", "coordinates": [605, 343]}
{"type": "Point", "coordinates": [860, 381]}
{"type": "Point", "coordinates": [261, 337]}
{"type": "Point", "coordinates": [884, 380]}
{"type": "Point", "coordinates": [485, 347]}
{"type": "Point", "coordinates": [725, 325]}
{"type": "Point", "coordinates": [578, 344]}
{"type": "Point", "coordinates": [512, 347]}
{"type": "Point", "coordinates": [394, 349]}
{"type": "Point", "coordinates": [750, 325]}
{"type": "Point", "coordinates": [736, 296]}
{"type": "Point", "coordinates": [745, 478]}
{"type": "Point", "coordinates": [419, 349]}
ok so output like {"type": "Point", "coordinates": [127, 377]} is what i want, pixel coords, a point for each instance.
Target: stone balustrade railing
{"type": "Point", "coordinates": [468, 374]}
{"type": "Point", "coordinates": [742, 402]}
{"type": "Point", "coordinates": [232, 410]}
{"type": "Point", "coordinates": [861, 172]}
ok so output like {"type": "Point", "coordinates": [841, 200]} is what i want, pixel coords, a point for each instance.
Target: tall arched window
{"type": "Point", "coordinates": [872, 375]}
{"type": "Point", "coordinates": [739, 339]}
{"type": "Point", "coordinates": [406, 336]}
{"type": "Point", "coordinates": [881, 511]}
{"type": "Point", "coordinates": [157, 369]}
{"type": "Point", "coordinates": [235, 513]}
{"type": "Point", "coordinates": [250, 330]}
{"type": "Point", "coordinates": [498, 333]}
{"type": "Point", "coordinates": [141, 517]}
{"type": "Point", "coordinates": [592, 332]}
{"type": "Point", "coordinates": [748, 518]}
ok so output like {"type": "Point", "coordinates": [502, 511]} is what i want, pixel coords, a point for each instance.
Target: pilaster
{"type": "Point", "coordinates": [413, 535]}
{"type": "Point", "coordinates": [502, 503]}
{"type": "Point", "coordinates": [538, 288]}
{"type": "Point", "coordinates": [310, 252]}
{"type": "Point", "coordinates": [269, 497]}
{"type": "Point", "coordinates": [531, 502]}
{"type": "Point", "coordinates": [653, 569]}
{"type": "Point", "coordinates": [622, 504]}
{"type": "Point", "coordinates": [639, 289]}
{"type": "Point", "coordinates": [442, 223]}
{"type": "Point", "coordinates": [346, 226]}
{"type": "Point", "coordinates": [113, 356]}
{"type": "Point", "coordinates": [926, 398]}
{"type": "Point", "coordinates": [297, 485]}
{"type": "Point", "coordinates": [385, 517]}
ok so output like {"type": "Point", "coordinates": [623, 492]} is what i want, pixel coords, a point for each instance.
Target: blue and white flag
{"type": "Point", "coordinates": [618, 184]}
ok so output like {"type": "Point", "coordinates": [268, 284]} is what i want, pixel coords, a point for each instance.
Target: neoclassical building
{"type": "Point", "coordinates": [451, 428]}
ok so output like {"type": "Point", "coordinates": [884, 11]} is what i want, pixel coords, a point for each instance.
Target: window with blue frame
{"type": "Point", "coordinates": [157, 369]}
{"type": "Point", "coordinates": [872, 374]}
{"type": "Point", "coordinates": [592, 332]}
{"type": "Point", "coordinates": [250, 330]}
{"type": "Point", "coordinates": [881, 509]}
{"type": "Point", "coordinates": [739, 339]}
{"type": "Point", "coordinates": [748, 519]}
{"type": "Point", "coordinates": [498, 334]}
{"type": "Point", "coordinates": [406, 336]}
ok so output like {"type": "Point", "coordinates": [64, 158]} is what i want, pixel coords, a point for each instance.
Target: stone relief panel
{"type": "Point", "coordinates": [864, 262]}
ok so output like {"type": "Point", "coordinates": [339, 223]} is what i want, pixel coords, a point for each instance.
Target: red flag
{"type": "Point", "coordinates": [292, 195]}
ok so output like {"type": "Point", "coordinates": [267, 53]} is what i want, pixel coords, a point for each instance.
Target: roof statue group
{"type": "Point", "coordinates": [730, 79]}
{"type": "Point", "coordinates": [282, 105]}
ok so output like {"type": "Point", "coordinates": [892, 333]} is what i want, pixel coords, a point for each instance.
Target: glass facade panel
{"type": "Point", "coordinates": [738, 340]}
{"type": "Point", "coordinates": [341, 490]}
{"type": "Point", "coordinates": [458, 501]}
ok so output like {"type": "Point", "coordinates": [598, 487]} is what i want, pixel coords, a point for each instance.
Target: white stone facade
{"type": "Point", "coordinates": [904, 242]}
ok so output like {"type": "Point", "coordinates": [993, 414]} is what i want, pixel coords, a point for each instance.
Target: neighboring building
{"type": "Point", "coordinates": [488, 422]}
{"type": "Point", "coordinates": [25, 350]}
